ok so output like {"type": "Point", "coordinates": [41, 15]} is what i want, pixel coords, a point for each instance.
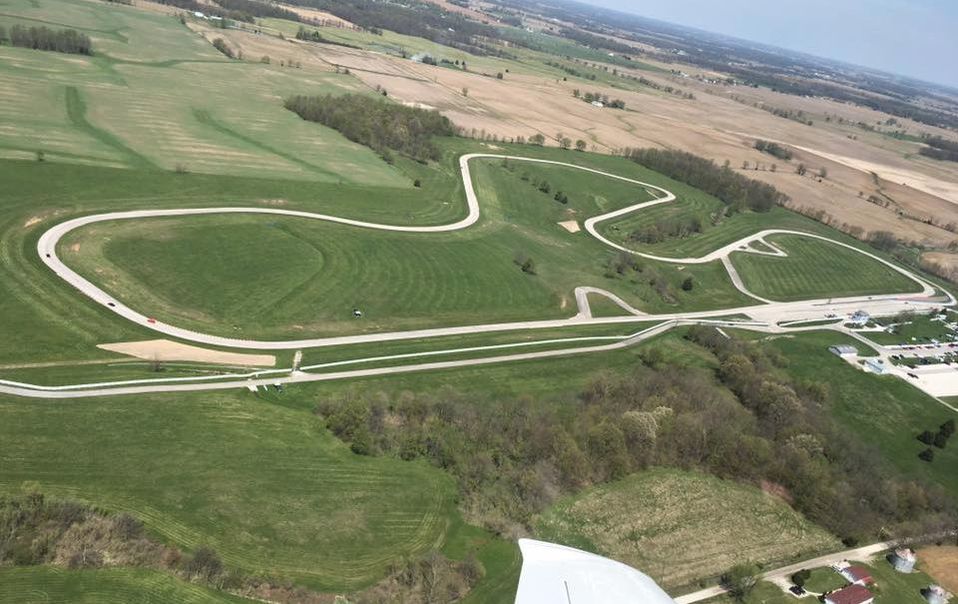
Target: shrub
{"type": "Point", "coordinates": [220, 45]}
{"type": "Point", "coordinates": [927, 455]}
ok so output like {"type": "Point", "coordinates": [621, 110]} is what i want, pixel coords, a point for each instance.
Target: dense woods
{"type": "Point", "coordinates": [940, 148]}
{"type": "Point", "coordinates": [43, 38]}
{"type": "Point", "coordinates": [735, 190]}
{"type": "Point", "coordinates": [743, 421]}
{"type": "Point", "coordinates": [376, 123]}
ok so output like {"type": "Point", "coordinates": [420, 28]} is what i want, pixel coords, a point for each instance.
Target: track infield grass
{"type": "Point", "coordinates": [273, 276]}
{"type": "Point", "coordinates": [817, 269]}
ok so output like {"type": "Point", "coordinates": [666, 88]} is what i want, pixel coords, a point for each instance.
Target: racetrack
{"type": "Point", "coordinates": [766, 314]}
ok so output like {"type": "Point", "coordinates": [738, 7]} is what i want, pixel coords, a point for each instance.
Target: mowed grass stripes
{"type": "Point", "coordinates": [817, 269]}
{"type": "Point", "coordinates": [264, 485]}
{"type": "Point", "coordinates": [48, 585]}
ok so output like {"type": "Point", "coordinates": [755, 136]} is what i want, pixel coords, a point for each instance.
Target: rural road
{"type": "Point", "coordinates": [860, 554]}
{"type": "Point", "coordinates": [765, 316]}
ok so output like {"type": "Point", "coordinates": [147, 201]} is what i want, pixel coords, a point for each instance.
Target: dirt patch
{"type": "Point", "coordinates": [273, 202]}
{"type": "Point", "coordinates": [75, 247]}
{"type": "Point", "coordinates": [941, 564]}
{"type": "Point", "coordinates": [167, 350]}
{"type": "Point", "coordinates": [570, 225]}
{"type": "Point", "coordinates": [31, 221]}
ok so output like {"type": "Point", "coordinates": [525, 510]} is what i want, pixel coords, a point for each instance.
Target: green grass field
{"type": "Point", "coordinates": [680, 527]}
{"type": "Point", "coordinates": [262, 484]}
{"type": "Point", "coordinates": [47, 585]}
{"type": "Point", "coordinates": [817, 269]}
{"type": "Point", "coordinates": [135, 103]}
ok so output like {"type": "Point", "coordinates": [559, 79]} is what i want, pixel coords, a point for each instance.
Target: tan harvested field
{"type": "Point", "coordinates": [318, 16]}
{"type": "Point", "coordinates": [680, 527]}
{"type": "Point", "coordinates": [167, 350]}
{"type": "Point", "coordinates": [712, 125]}
{"type": "Point", "coordinates": [941, 564]}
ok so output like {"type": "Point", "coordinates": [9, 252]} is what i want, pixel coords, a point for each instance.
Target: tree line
{"type": "Point", "coordinates": [383, 126]}
{"type": "Point", "coordinates": [940, 148]}
{"type": "Point", "coordinates": [67, 41]}
{"type": "Point", "coordinates": [312, 35]}
{"type": "Point", "coordinates": [734, 190]}
{"type": "Point", "coordinates": [744, 421]}
{"type": "Point", "coordinates": [411, 18]}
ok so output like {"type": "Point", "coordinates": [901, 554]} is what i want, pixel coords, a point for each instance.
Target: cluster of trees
{"type": "Point", "coordinates": [43, 38]}
{"type": "Point", "coordinates": [312, 35]}
{"type": "Point", "coordinates": [591, 97]}
{"type": "Point", "coordinates": [628, 266]}
{"type": "Point", "coordinates": [383, 126]}
{"type": "Point", "coordinates": [939, 439]}
{"type": "Point", "coordinates": [745, 421]}
{"type": "Point", "coordinates": [667, 228]}
{"type": "Point", "coordinates": [774, 149]}
{"type": "Point", "coordinates": [940, 148]}
{"type": "Point", "coordinates": [736, 191]}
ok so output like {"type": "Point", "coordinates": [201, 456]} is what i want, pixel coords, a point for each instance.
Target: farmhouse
{"type": "Point", "coordinates": [857, 575]}
{"type": "Point", "coordinates": [853, 594]}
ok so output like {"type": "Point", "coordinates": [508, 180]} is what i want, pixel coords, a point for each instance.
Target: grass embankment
{"type": "Point", "coordinates": [43, 584]}
{"type": "Point", "coordinates": [679, 527]}
{"type": "Point", "coordinates": [817, 269]}
{"type": "Point", "coordinates": [262, 484]}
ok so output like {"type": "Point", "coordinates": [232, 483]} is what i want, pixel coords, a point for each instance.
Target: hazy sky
{"type": "Point", "coordinates": [918, 38]}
